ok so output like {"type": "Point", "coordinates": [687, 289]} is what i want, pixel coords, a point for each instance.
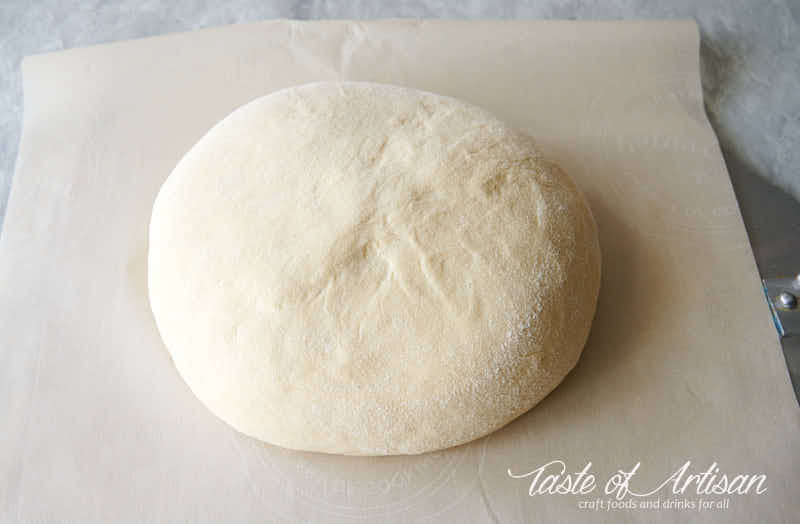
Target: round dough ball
{"type": "Point", "coordinates": [367, 269]}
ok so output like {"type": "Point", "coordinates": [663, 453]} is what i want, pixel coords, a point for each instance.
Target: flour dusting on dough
{"type": "Point", "coordinates": [368, 269]}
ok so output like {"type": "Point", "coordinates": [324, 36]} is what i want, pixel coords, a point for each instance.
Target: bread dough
{"type": "Point", "coordinates": [369, 269]}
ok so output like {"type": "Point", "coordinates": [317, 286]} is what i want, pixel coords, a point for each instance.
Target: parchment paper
{"type": "Point", "coordinates": [682, 364]}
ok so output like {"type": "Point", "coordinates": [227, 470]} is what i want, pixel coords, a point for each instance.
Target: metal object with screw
{"type": "Point", "coordinates": [787, 300]}
{"type": "Point", "coordinates": [782, 296]}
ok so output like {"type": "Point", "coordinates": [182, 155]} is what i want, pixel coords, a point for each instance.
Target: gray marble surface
{"type": "Point", "coordinates": [750, 56]}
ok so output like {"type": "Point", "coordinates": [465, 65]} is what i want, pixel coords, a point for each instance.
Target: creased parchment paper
{"type": "Point", "coordinates": [682, 364]}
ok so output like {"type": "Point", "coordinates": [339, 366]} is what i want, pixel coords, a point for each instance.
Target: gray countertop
{"type": "Point", "coordinates": [750, 56]}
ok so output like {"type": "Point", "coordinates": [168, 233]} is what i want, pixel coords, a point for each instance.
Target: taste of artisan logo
{"type": "Point", "coordinates": [686, 488]}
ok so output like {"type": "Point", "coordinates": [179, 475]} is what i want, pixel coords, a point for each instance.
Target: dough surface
{"type": "Point", "coordinates": [367, 269]}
